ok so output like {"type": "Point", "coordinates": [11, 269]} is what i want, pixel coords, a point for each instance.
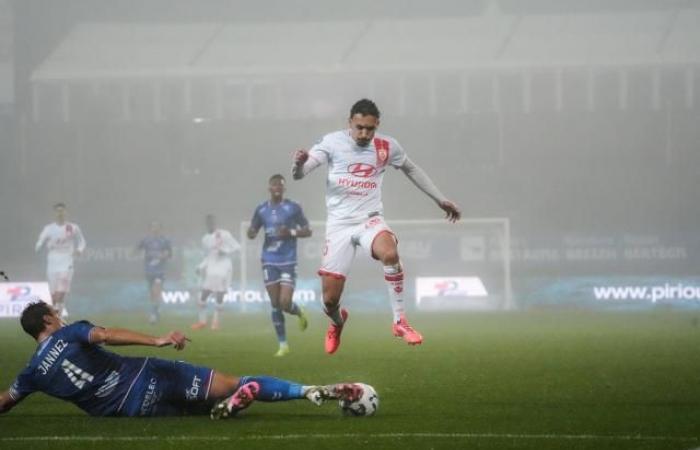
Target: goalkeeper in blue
{"type": "Point", "coordinates": [71, 364]}
{"type": "Point", "coordinates": [282, 222]}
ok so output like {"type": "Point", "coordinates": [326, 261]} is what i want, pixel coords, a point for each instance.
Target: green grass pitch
{"type": "Point", "coordinates": [538, 380]}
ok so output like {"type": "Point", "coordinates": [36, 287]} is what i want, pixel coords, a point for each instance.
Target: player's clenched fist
{"type": "Point", "coordinates": [300, 157]}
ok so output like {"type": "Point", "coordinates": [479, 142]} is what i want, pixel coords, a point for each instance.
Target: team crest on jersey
{"type": "Point", "coordinates": [382, 148]}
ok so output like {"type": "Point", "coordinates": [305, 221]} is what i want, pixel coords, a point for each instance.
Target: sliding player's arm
{"type": "Point", "coordinates": [120, 336]}
{"type": "Point", "coordinates": [425, 184]}
{"type": "Point", "coordinates": [6, 402]}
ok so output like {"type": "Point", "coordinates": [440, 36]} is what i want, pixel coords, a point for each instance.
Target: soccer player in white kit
{"type": "Point", "coordinates": [216, 270]}
{"type": "Point", "coordinates": [63, 241]}
{"type": "Point", "coordinates": [357, 159]}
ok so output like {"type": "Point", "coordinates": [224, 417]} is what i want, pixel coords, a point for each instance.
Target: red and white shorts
{"type": "Point", "coordinates": [60, 281]}
{"type": "Point", "coordinates": [342, 241]}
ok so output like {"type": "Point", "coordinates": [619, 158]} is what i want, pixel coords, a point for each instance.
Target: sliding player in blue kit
{"type": "Point", "coordinates": [70, 364]}
{"type": "Point", "coordinates": [282, 221]}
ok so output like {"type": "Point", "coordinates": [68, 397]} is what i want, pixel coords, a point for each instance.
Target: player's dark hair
{"type": "Point", "coordinates": [32, 319]}
{"type": "Point", "coordinates": [276, 177]}
{"type": "Point", "coordinates": [365, 107]}
{"type": "Point", "coordinates": [59, 205]}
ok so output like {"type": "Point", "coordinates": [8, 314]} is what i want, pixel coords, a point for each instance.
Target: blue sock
{"type": "Point", "coordinates": [278, 322]}
{"type": "Point", "coordinates": [274, 389]}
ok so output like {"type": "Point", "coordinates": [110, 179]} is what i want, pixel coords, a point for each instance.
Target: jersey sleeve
{"type": "Point", "coordinates": [300, 219]}
{"type": "Point", "coordinates": [397, 155]}
{"type": "Point", "coordinates": [22, 386]}
{"type": "Point", "coordinates": [256, 222]}
{"type": "Point", "coordinates": [320, 152]}
{"type": "Point", "coordinates": [79, 331]}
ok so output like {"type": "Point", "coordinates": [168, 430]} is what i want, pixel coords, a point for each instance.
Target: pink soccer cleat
{"type": "Point", "coordinates": [403, 330]}
{"type": "Point", "coordinates": [240, 400]}
{"type": "Point", "coordinates": [349, 392]}
{"type": "Point", "coordinates": [333, 333]}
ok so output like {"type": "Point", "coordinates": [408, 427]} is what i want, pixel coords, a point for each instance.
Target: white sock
{"type": "Point", "coordinates": [217, 310]}
{"type": "Point", "coordinates": [394, 281]}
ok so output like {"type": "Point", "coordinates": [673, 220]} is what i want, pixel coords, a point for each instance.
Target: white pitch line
{"type": "Point", "coordinates": [282, 437]}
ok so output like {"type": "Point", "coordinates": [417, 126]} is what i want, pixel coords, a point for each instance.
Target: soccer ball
{"type": "Point", "coordinates": [366, 405]}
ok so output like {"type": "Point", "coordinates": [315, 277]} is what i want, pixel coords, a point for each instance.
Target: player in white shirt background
{"type": "Point", "coordinates": [357, 159]}
{"type": "Point", "coordinates": [216, 270]}
{"type": "Point", "coordinates": [63, 241]}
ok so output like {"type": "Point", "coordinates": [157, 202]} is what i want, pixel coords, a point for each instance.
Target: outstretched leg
{"type": "Point", "coordinates": [237, 394]}
{"type": "Point", "coordinates": [384, 248]}
{"type": "Point", "coordinates": [332, 290]}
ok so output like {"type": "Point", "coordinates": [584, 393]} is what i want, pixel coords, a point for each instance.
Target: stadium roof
{"type": "Point", "coordinates": [137, 50]}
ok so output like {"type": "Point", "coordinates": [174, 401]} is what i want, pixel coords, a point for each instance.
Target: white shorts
{"type": "Point", "coordinates": [60, 281]}
{"type": "Point", "coordinates": [342, 241]}
{"type": "Point", "coordinates": [219, 279]}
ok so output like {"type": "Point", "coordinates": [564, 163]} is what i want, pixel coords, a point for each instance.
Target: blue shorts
{"type": "Point", "coordinates": [152, 277]}
{"type": "Point", "coordinates": [169, 388]}
{"type": "Point", "coordinates": [286, 274]}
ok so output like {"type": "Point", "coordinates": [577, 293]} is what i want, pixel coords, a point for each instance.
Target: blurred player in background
{"type": "Point", "coordinates": [216, 270]}
{"type": "Point", "coordinates": [63, 241]}
{"type": "Point", "coordinates": [157, 251]}
{"type": "Point", "coordinates": [70, 364]}
{"type": "Point", "coordinates": [357, 159]}
{"type": "Point", "coordinates": [283, 222]}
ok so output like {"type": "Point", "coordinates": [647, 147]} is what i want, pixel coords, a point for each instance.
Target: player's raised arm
{"type": "Point", "coordinates": [120, 336]}
{"type": "Point", "coordinates": [425, 184]}
{"type": "Point", "coordinates": [306, 161]}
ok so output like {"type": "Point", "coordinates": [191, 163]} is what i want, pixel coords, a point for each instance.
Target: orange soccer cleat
{"type": "Point", "coordinates": [405, 331]}
{"type": "Point", "coordinates": [333, 333]}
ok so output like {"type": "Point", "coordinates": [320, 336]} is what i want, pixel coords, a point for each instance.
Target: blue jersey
{"type": "Point", "coordinates": [270, 217]}
{"type": "Point", "coordinates": [155, 249]}
{"type": "Point", "coordinates": [67, 366]}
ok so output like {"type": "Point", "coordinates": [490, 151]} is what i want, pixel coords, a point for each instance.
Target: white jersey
{"type": "Point", "coordinates": [218, 247]}
{"type": "Point", "coordinates": [355, 174]}
{"type": "Point", "coordinates": [61, 242]}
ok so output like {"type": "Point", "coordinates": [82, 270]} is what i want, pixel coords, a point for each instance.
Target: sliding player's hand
{"type": "Point", "coordinates": [174, 338]}
{"type": "Point", "coordinates": [452, 212]}
{"type": "Point", "coordinates": [283, 232]}
{"type": "Point", "coordinates": [300, 157]}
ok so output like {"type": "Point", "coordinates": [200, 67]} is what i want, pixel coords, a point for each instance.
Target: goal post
{"type": "Point", "coordinates": [460, 266]}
